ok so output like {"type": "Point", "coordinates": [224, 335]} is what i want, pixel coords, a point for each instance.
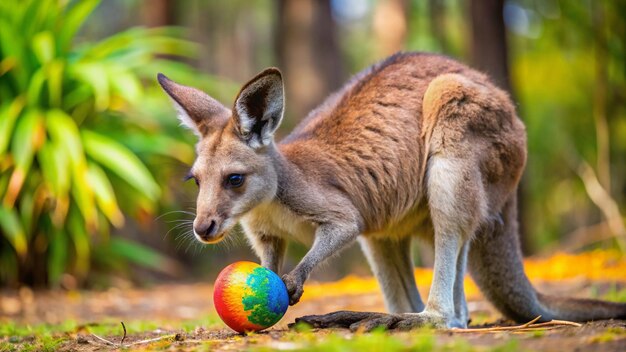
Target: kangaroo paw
{"type": "Point", "coordinates": [411, 321]}
{"type": "Point", "coordinates": [295, 288]}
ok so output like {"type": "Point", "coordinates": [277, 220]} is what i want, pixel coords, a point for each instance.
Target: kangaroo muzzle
{"type": "Point", "coordinates": [207, 230]}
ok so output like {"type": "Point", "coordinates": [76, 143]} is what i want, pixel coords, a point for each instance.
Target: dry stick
{"type": "Point", "coordinates": [104, 340]}
{"type": "Point", "coordinates": [132, 343]}
{"type": "Point", "coordinates": [555, 322]}
{"type": "Point", "coordinates": [150, 340]}
{"type": "Point", "coordinates": [530, 326]}
{"type": "Point", "coordinates": [123, 337]}
{"type": "Point", "coordinates": [498, 328]}
{"type": "Point", "coordinates": [122, 345]}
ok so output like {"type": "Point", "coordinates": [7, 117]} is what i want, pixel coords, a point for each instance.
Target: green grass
{"type": "Point", "coordinates": [47, 337]}
{"type": "Point", "coordinates": [43, 337]}
{"type": "Point", "coordinates": [609, 335]}
{"type": "Point", "coordinates": [419, 340]}
{"type": "Point", "coordinates": [616, 295]}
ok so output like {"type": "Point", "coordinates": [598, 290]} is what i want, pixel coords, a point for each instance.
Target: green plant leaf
{"type": "Point", "coordinates": [143, 255]}
{"type": "Point", "coordinates": [4, 181]}
{"type": "Point", "coordinates": [159, 144]}
{"type": "Point", "coordinates": [12, 46]}
{"type": "Point", "coordinates": [54, 163]}
{"type": "Point", "coordinates": [83, 194]}
{"type": "Point", "coordinates": [54, 73]}
{"type": "Point", "coordinates": [81, 94]}
{"type": "Point", "coordinates": [8, 116]}
{"type": "Point", "coordinates": [57, 256]}
{"type": "Point", "coordinates": [137, 46]}
{"type": "Point", "coordinates": [121, 161]}
{"type": "Point", "coordinates": [80, 237]}
{"type": "Point", "coordinates": [27, 211]}
{"type": "Point", "coordinates": [92, 74]}
{"type": "Point", "coordinates": [13, 230]}
{"type": "Point", "coordinates": [43, 46]}
{"type": "Point", "coordinates": [126, 84]}
{"type": "Point", "coordinates": [24, 139]}
{"type": "Point", "coordinates": [35, 17]}
{"type": "Point", "coordinates": [105, 196]}
{"type": "Point", "coordinates": [64, 132]}
{"type": "Point", "coordinates": [35, 87]}
{"type": "Point", "coordinates": [74, 18]}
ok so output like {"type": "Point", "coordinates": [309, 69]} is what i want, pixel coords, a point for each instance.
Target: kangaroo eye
{"type": "Point", "coordinates": [234, 180]}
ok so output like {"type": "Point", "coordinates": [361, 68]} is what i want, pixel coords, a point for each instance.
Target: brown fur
{"type": "Point", "coordinates": [372, 144]}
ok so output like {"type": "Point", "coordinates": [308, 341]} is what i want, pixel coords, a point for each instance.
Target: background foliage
{"type": "Point", "coordinates": [77, 142]}
{"type": "Point", "coordinates": [91, 154]}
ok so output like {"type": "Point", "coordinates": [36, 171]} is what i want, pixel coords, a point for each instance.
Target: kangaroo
{"type": "Point", "coordinates": [418, 144]}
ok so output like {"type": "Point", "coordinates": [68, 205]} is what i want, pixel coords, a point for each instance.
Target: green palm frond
{"type": "Point", "coordinates": [60, 167]}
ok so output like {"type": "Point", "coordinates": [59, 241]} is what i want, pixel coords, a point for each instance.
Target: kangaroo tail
{"type": "Point", "coordinates": [495, 263]}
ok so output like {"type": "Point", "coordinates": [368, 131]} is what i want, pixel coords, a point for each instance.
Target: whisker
{"type": "Point", "coordinates": [174, 228]}
{"type": "Point", "coordinates": [174, 212]}
{"type": "Point", "coordinates": [198, 249]}
{"type": "Point", "coordinates": [189, 221]}
{"type": "Point", "coordinates": [184, 237]}
{"type": "Point", "coordinates": [191, 243]}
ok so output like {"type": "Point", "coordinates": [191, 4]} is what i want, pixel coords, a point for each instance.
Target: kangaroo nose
{"type": "Point", "coordinates": [206, 229]}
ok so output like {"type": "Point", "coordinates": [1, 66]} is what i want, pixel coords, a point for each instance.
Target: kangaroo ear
{"type": "Point", "coordinates": [196, 110]}
{"type": "Point", "coordinates": [259, 108]}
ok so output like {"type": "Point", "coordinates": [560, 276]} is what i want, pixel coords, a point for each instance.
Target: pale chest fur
{"type": "Point", "coordinates": [275, 219]}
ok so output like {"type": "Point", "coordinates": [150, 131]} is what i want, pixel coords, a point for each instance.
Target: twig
{"type": "Point", "coordinates": [558, 323]}
{"type": "Point", "coordinates": [104, 340]}
{"type": "Point", "coordinates": [498, 328]}
{"type": "Point", "coordinates": [530, 326]}
{"type": "Point", "coordinates": [123, 337]}
{"type": "Point", "coordinates": [150, 340]}
{"type": "Point", "coordinates": [122, 345]}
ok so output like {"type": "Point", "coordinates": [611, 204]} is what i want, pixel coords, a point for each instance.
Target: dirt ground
{"type": "Point", "coordinates": [589, 337]}
{"type": "Point", "coordinates": [183, 315]}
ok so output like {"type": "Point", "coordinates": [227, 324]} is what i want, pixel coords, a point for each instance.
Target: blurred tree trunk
{"type": "Point", "coordinates": [489, 45]}
{"type": "Point", "coordinates": [156, 13]}
{"type": "Point", "coordinates": [307, 52]}
{"type": "Point", "coordinates": [490, 55]}
{"type": "Point", "coordinates": [230, 37]}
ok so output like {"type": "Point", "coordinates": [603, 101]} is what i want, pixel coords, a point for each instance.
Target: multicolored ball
{"type": "Point", "coordinates": [249, 297]}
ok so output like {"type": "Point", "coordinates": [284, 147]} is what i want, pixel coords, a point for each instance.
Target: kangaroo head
{"type": "Point", "coordinates": [233, 169]}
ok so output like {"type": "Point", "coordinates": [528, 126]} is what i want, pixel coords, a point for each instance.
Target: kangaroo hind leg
{"type": "Point", "coordinates": [461, 312]}
{"type": "Point", "coordinates": [390, 260]}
